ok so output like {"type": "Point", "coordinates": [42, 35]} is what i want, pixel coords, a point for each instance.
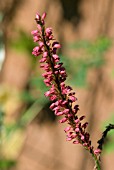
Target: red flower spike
{"type": "Point", "coordinates": [62, 97]}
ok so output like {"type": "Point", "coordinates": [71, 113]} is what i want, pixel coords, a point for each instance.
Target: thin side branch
{"type": "Point", "coordinates": [104, 135]}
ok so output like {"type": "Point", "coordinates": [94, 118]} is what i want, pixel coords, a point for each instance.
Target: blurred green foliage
{"type": "Point", "coordinates": [6, 164]}
{"type": "Point", "coordinates": [23, 43]}
{"type": "Point", "coordinates": [91, 55]}
{"type": "Point", "coordinates": [112, 73]}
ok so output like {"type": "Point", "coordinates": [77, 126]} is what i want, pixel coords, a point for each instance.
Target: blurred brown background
{"type": "Point", "coordinates": [38, 142]}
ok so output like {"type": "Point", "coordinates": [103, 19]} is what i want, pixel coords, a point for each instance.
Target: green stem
{"type": "Point", "coordinates": [97, 162]}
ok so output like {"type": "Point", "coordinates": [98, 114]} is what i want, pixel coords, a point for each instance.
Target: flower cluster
{"type": "Point", "coordinates": [62, 96]}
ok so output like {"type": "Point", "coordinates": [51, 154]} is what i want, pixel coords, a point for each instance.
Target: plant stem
{"type": "Point", "coordinates": [97, 162]}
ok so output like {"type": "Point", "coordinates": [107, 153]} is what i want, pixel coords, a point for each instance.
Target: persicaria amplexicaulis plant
{"type": "Point", "coordinates": [62, 96]}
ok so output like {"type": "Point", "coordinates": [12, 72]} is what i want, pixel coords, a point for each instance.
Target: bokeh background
{"type": "Point", "coordinates": [30, 136]}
